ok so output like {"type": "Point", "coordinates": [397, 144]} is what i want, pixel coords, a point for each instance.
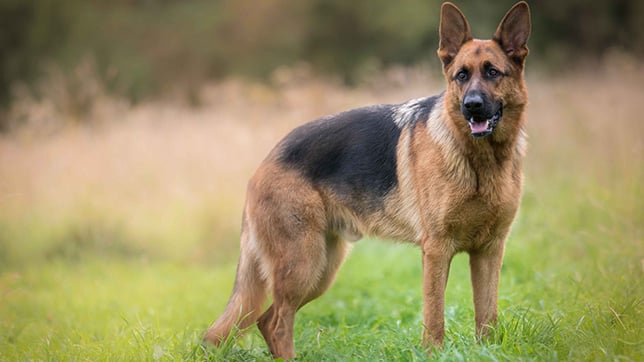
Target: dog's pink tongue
{"type": "Point", "coordinates": [478, 127]}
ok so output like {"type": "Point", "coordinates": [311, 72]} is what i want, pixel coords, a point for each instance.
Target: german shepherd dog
{"type": "Point", "coordinates": [443, 172]}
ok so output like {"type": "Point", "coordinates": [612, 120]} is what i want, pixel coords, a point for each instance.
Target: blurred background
{"type": "Point", "coordinates": [130, 127]}
{"type": "Point", "coordinates": [143, 48]}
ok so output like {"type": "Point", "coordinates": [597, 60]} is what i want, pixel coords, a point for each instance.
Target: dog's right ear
{"type": "Point", "coordinates": [513, 32]}
{"type": "Point", "coordinates": [454, 31]}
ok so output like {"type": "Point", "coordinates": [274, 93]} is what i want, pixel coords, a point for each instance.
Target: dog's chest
{"type": "Point", "coordinates": [474, 222]}
{"type": "Point", "coordinates": [478, 214]}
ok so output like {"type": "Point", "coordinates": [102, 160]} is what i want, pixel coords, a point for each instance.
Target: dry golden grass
{"type": "Point", "coordinates": [170, 177]}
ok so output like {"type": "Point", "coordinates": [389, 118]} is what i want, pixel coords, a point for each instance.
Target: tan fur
{"type": "Point", "coordinates": [455, 193]}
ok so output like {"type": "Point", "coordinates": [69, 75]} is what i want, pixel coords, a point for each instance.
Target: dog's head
{"type": "Point", "coordinates": [485, 77]}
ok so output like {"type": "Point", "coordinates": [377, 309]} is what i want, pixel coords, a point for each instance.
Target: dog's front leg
{"type": "Point", "coordinates": [485, 269]}
{"type": "Point", "coordinates": [436, 261]}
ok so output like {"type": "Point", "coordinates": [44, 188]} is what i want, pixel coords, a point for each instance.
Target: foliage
{"type": "Point", "coordinates": [149, 47]}
{"type": "Point", "coordinates": [29, 34]}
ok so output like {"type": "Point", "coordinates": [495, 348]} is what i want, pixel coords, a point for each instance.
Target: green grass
{"type": "Point", "coordinates": [571, 289]}
{"type": "Point", "coordinates": [110, 253]}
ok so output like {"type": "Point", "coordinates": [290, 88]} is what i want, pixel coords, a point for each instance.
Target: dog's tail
{"type": "Point", "coordinates": [245, 303]}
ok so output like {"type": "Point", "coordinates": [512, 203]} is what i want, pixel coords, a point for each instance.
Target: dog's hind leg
{"type": "Point", "coordinates": [293, 290]}
{"type": "Point", "coordinates": [296, 277]}
{"type": "Point", "coordinates": [336, 251]}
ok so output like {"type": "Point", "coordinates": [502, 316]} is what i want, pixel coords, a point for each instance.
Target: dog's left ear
{"type": "Point", "coordinates": [513, 32]}
{"type": "Point", "coordinates": [454, 31]}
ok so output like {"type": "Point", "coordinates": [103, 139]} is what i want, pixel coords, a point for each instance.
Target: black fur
{"type": "Point", "coordinates": [352, 152]}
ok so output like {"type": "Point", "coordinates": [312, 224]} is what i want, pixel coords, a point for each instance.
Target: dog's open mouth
{"type": "Point", "coordinates": [484, 127]}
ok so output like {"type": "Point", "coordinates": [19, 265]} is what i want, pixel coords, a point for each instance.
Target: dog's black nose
{"type": "Point", "coordinates": [473, 102]}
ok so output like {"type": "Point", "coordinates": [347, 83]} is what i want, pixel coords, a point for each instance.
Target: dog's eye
{"type": "Point", "coordinates": [493, 73]}
{"type": "Point", "coordinates": [462, 75]}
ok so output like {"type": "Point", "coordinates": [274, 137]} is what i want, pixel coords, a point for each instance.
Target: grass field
{"type": "Point", "coordinates": [118, 240]}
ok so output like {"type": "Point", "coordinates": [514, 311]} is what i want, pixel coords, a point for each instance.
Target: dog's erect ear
{"type": "Point", "coordinates": [513, 32]}
{"type": "Point", "coordinates": [454, 32]}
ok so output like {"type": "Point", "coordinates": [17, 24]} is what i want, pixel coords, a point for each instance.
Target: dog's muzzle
{"type": "Point", "coordinates": [482, 115]}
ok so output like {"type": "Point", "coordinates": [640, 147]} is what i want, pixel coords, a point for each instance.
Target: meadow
{"type": "Point", "coordinates": [119, 227]}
